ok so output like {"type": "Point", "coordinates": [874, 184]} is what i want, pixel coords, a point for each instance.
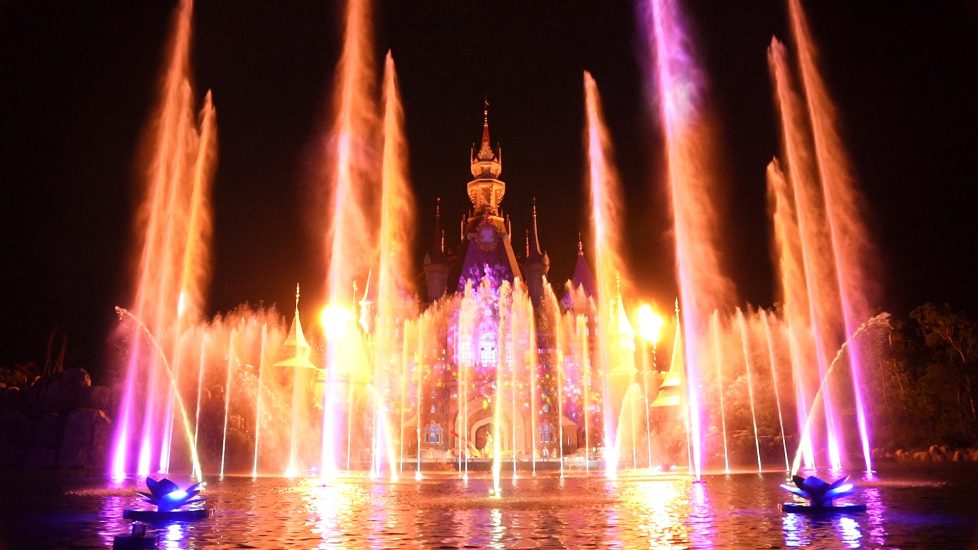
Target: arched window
{"type": "Point", "coordinates": [433, 434]}
{"type": "Point", "coordinates": [487, 349]}
{"type": "Point", "coordinates": [546, 433]}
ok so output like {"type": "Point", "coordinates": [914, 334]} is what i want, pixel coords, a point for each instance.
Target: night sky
{"type": "Point", "coordinates": [79, 85]}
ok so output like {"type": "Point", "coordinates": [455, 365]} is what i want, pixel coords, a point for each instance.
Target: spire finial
{"type": "Point", "coordinates": [485, 150]}
{"type": "Point", "coordinates": [580, 245]}
{"type": "Point", "coordinates": [297, 296]}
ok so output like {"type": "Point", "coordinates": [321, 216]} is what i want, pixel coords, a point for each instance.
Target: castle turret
{"type": "Point", "coordinates": [537, 262]}
{"type": "Point", "coordinates": [436, 260]}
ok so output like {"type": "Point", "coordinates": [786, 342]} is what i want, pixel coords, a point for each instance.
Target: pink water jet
{"type": "Point", "coordinates": [173, 229]}
{"type": "Point", "coordinates": [703, 287]}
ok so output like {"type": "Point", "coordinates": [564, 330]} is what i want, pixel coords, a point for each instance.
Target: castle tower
{"type": "Point", "coordinates": [537, 263]}
{"type": "Point", "coordinates": [436, 260]}
{"type": "Point", "coordinates": [487, 246]}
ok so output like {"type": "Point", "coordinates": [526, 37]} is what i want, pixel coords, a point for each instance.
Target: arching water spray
{"type": "Point", "coordinates": [188, 433]}
{"type": "Point", "coordinates": [881, 320]}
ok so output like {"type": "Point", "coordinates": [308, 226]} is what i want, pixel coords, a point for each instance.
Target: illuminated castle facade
{"type": "Point", "coordinates": [459, 415]}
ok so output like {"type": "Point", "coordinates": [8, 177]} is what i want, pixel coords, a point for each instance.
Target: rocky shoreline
{"type": "Point", "coordinates": [60, 422]}
{"type": "Point", "coordinates": [934, 453]}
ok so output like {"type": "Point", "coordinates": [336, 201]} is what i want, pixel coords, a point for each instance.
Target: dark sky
{"type": "Point", "coordinates": [78, 83]}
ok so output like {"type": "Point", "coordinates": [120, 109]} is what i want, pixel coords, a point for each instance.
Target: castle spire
{"type": "Point", "coordinates": [487, 162]}
{"type": "Point", "coordinates": [485, 152]}
{"type": "Point", "coordinates": [438, 245]}
{"type": "Point", "coordinates": [534, 243]}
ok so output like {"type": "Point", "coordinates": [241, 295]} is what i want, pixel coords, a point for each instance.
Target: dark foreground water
{"type": "Point", "coordinates": [922, 507]}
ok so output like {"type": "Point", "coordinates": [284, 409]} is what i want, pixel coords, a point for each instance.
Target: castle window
{"type": "Point", "coordinates": [487, 349]}
{"type": "Point", "coordinates": [433, 434]}
{"type": "Point", "coordinates": [546, 433]}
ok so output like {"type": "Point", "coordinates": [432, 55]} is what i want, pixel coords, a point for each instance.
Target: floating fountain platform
{"type": "Point", "coordinates": [820, 496]}
{"type": "Point", "coordinates": [159, 516]}
{"type": "Point", "coordinates": [168, 498]}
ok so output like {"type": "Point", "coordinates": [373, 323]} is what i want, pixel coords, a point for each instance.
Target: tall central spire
{"type": "Point", "coordinates": [487, 163]}
{"type": "Point", "coordinates": [485, 151]}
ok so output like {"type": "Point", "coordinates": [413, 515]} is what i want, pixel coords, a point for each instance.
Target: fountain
{"type": "Point", "coordinates": [169, 498]}
{"type": "Point", "coordinates": [820, 496]}
{"type": "Point", "coordinates": [495, 374]}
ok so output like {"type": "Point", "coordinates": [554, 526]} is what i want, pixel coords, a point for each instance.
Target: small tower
{"type": "Point", "coordinates": [537, 263]}
{"type": "Point", "coordinates": [436, 261]}
{"type": "Point", "coordinates": [583, 286]}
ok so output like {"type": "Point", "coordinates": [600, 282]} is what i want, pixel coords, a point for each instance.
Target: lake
{"type": "Point", "coordinates": [925, 506]}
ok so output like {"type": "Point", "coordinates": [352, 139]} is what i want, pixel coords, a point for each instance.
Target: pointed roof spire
{"type": "Point", "coordinates": [437, 251]}
{"type": "Point", "coordinates": [486, 162]}
{"type": "Point", "coordinates": [485, 151]}
{"type": "Point", "coordinates": [296, 341]}
{"type": "Point", "coordinates": [583, 276]}
{"type": "Point", "coordinates": [534, 250]}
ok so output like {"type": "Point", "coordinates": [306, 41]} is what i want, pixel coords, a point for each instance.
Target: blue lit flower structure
{"type": "Point", "coordinates": [169, 498]}
{"type": "Point", "coordinates": [820, 495]}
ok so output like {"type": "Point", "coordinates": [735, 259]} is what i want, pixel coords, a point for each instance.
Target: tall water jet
{"type": "Point", "coordinates": [231, 362]}
{"type": "Point", "coordinates": [173, 229]}
{"type": "Point", "coordinates": [745, 347]}
{"type": "Point", "coordinates": [350, 237]}
{"type": "Point", "coordinates": [679, 91]}
{"type": "Point", "coordinates": [851, 247]}
{"type": "Point", "coordinates": [258, 397]}
{"type": "Point", "coordinates": [394, 286]}
{"type": "Point", "coordinates": [772, 363]}
{"type": "Point", "coordinates": [716, 345]}
{"type": "Point", "coordinates": [794, 294]}
{"type": "Point", "coordinates": [606, 217]}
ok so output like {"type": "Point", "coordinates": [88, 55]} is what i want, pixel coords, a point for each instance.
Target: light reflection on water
{"type": "Point", "coordinates": [542, 512]}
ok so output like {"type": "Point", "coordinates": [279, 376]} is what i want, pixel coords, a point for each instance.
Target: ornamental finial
{"type": "Point", "coordinates": [485, 150]}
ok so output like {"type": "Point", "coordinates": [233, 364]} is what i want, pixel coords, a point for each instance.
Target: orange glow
{"type": "Point", "coordinates": [336, 322]}
{"type": "Point", "coordinates": [650, 324]}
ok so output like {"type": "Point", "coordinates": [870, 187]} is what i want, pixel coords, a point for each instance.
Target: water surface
{"type": "Point", "coordinates": [923, 507]}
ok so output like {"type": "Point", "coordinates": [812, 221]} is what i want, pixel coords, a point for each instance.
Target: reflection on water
{"type": "Point", "coordinates": [542, 512]}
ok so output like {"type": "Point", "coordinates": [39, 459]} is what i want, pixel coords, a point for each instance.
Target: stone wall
{"type": "Point", "coordinates": [59, 422]}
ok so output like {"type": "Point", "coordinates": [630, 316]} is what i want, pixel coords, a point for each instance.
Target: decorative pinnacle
{"type": "Point", "coordinates": [580, 245]}
{"type": "Point", "coordinates": [485, 151]}
{"type": "Point", "coordinates": [297, 296]}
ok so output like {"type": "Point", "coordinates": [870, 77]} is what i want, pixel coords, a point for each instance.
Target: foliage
{"type": "Point", "coordinates": [923, 389]}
